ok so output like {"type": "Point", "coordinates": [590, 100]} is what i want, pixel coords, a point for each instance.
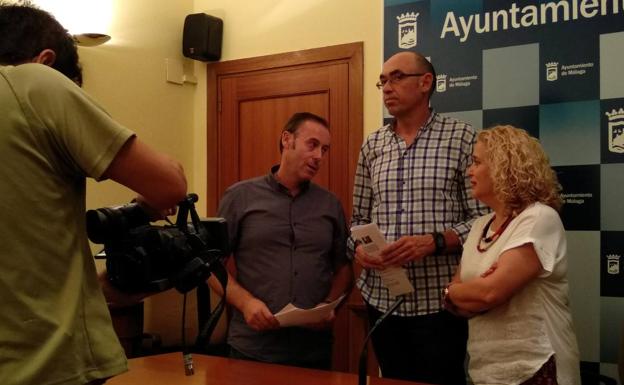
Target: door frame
{"type": "Point", "coordinates": [351, 53]}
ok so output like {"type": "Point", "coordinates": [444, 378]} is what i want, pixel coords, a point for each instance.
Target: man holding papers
{"type": "Point", "coordinates": [288, 237]}
{"type": "Point", "coordinates": [411, 182]}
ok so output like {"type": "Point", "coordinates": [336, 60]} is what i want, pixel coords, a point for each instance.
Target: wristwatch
{"type": "Point", "coordinates": [440, 242]}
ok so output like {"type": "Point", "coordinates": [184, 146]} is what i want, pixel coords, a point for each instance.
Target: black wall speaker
{"type": "Point", "coordinates": [202, 37]}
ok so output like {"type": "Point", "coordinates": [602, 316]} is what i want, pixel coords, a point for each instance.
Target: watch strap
{"type": "Point", "coordinates": [440, 242]}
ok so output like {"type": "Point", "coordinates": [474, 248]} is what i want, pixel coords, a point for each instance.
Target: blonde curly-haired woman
{"type": "Point", "coordinates": [512, 278]}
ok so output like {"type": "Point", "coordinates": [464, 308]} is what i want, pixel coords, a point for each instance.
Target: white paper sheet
{"type": "Point", "coordinates": [372, 241]}
{"type": "Point", "coordinates": [291, 315]}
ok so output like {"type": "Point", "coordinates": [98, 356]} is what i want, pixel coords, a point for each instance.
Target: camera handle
{"type": "Point", "coordinates": [186, 207]}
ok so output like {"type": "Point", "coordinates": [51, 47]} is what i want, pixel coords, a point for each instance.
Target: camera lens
{"type": "Point", "coordinates": [110, 223]}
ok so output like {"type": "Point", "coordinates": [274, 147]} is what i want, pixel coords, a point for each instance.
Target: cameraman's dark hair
{"type": "Point", "coordinates": [26, 30]}
{"type": "Point", "coordinates": [297, 120]}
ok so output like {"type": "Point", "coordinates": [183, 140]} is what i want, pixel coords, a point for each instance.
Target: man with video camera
{"type": "Point", "coordinates": [54, 326]}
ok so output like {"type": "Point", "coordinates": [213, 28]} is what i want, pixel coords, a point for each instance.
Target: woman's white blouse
{"type": "Point", "coordinates": [508, 344]}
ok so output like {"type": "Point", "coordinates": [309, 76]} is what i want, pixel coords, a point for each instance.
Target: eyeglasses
{"type": "Point", "coordinates": [394, 78]}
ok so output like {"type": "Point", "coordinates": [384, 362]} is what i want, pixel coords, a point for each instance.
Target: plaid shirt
{"type": "Point", "coordinates": [416, 189]}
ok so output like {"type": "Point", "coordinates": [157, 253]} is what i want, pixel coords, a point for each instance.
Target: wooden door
{"type": "Point", "coordinates": [253, 99]}
{"type": "Point", "coordinates": [255, 107]}
{"type": "Point", "coordinates": [250, 100]}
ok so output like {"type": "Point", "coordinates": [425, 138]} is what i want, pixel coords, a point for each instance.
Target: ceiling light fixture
{"type": "Point", "coordinates": [90, 39]}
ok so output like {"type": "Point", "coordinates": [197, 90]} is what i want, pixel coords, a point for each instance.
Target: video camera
{"type": "Point", "coordinates": [141, 257]}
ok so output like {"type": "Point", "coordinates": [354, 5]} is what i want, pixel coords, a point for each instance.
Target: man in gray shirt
{"type": "Point", "coordinates": [288, 237]}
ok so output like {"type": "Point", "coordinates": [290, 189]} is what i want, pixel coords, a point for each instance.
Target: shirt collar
{"type": "Point", "coordinates": [277, 186]}
{"type": "Point", "coordinates": [432, 116]}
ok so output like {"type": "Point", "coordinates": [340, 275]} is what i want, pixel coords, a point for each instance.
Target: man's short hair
{"type": "Point", "coordinates": [428, 67]}
{"type": "Point", "coordinates": [297, 120]}
{"type": "Point", "coordinates": [26, 31]}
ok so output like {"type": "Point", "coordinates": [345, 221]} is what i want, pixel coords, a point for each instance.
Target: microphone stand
{"type": "Point", "coordinates": [364, 353]}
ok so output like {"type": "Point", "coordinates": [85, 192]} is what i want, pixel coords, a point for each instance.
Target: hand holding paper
{"type": "Point", "coordinates": [368, 247]}
{"type": "Point", "coordinates": [258, 316]}
{"type": "Point", "coordinates": [407, 249]}
{"type": "Point", "coordinates": [372, 242]}
{"type": "Point", "coordinates": [291, 315]}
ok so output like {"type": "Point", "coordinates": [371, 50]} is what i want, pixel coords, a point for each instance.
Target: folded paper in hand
{"type": "Point", "coordinates": [291, 315]}
{"type": "Point", "coordinates": [372, 241]}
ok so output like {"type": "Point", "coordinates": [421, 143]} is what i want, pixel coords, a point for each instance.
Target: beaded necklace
{"type": "Point", "coordinates": [488, 241]}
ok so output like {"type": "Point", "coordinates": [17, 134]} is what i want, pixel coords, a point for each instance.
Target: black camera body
{"type": "Point", "coordinates": [141, 257]}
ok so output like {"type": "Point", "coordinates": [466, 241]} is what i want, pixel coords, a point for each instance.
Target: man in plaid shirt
{"type": "Point", "coordinates": [411, 181]}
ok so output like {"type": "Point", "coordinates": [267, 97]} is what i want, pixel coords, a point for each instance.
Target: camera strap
{"type": "Point", "coordinates": [208, 327]}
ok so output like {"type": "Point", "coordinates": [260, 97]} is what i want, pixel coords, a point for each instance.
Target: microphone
{"type": "Point", "coordinates": [364, 353]}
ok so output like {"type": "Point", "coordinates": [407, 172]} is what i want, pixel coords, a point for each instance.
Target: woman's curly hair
{"type": "Point", "coordinates": [519, 168]}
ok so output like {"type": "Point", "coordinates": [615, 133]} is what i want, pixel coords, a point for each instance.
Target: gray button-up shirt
{"type": "Point", "coordinates": [286, 250]}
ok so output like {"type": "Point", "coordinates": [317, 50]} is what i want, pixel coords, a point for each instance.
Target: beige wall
{"type": "Point", "coordinates": [127, 76]}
